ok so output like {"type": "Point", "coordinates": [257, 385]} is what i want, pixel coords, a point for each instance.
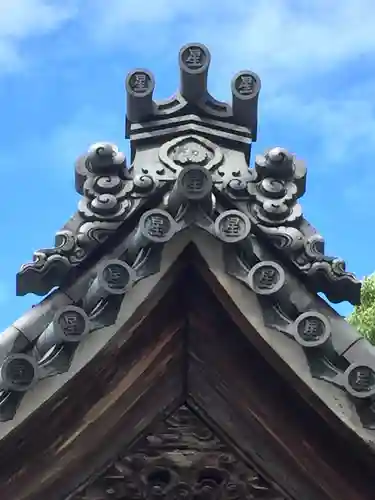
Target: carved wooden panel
{"type": "Point", "coordinates": [179, 458]}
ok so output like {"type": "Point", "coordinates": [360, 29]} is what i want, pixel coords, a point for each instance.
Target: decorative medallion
{"type": "Point", "coordinates": [232, 226]}
{"type": "Point", "coordinates": [194, 58]}
{"type": "Point", "coordinates": [195, 182]}
{"type": "Point", "coordinates": [140, 82]}
{"type": "Point", "coordinates": [190, 153]}
{"type": "Point", "coordinates": [311, 329]}
{"type": "Point", "coordinates": [190, 150]}
{"type": "Point", "coordinates": [266, 278]}
{"type": "Point", "coordinates": [157, 226]}
{"type": "Point", "coordinates": [360, 381]}
{"type": "Point", "coordinates": [115, 277]}
{"type": "Point", "coordinates": [246, 84]}
{"type": "Point", "coordinates": [72, 323]}
{"type": "Point", "coordinates": [18, 373]}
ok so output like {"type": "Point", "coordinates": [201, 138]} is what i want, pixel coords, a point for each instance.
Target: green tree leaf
{"type": "Point", "coordinates": [363, 316]}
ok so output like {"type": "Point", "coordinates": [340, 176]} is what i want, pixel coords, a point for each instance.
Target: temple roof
{"type": "Point", "coordinates": [189, 183]}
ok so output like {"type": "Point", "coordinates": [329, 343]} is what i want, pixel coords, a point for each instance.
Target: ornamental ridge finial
{"type": "Point", "coordinates": [193, 97]}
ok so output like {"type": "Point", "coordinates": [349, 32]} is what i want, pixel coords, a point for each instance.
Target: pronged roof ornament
{"type": "Point", "coordinates": [193, 96]}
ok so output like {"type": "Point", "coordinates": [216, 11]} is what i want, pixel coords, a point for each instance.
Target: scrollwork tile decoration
{"type": "Point", "coordinates": [180, 458]}
{"type": "Point", "coordinates": [270, 199]}
{"type": "Point", "coordinates": [110, 196]}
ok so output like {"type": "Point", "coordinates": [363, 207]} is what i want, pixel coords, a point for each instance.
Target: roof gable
{"type": "Point", "coordinates": [182, 348]}
{"type": "Point", "coordinates": [188, 186]}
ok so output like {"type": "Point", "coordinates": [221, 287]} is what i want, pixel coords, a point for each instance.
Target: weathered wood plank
{"type": "Point", "coordinates": [256, 409]}
{"type": "Point", "coordinates": [110, 402]}
{"type": "Point", "coordinates": [280, 352]}
{"type": "Point", "coordinates": [183, 343]}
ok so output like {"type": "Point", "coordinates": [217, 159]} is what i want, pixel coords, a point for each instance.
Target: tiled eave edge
{"type": "Point", "coordinates": [284, 353]}
{"type": "Point", "coordinates": [95, 342]}
{"type": "Point", "coordinates": [247, 312]}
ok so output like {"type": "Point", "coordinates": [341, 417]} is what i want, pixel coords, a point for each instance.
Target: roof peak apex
{"type": "Point", "coordinates": [193, 96]}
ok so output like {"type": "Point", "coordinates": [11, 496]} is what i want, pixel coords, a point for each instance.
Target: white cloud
{"type": "Point", "coordinates": [21, 20]}
{"type": "Point", "coordinates": [299, 48]}
{"type": "Point", "coordinates": [303, 37]}
{"type": "Point", "coordinates": [273, 35]}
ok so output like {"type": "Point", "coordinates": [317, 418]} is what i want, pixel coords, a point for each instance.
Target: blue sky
{"type": "Point", "coordinates": [62, 71]}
